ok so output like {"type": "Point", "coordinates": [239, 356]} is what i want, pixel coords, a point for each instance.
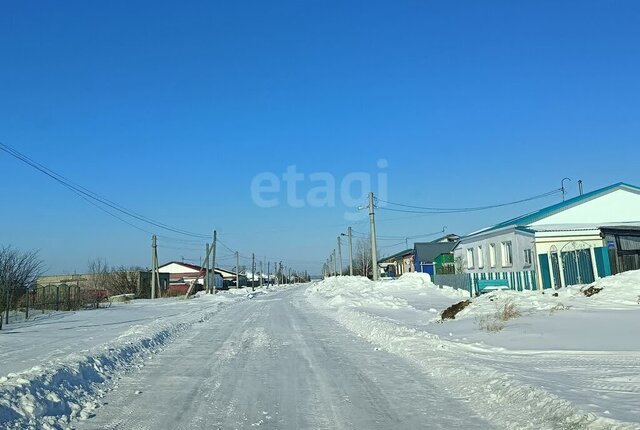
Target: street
{"type": "Point", "coordinates": [275, 362]}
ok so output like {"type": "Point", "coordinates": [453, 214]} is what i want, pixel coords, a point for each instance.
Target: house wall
{"type": "Point", "coordinates": [617, 206]}
{"type": "Point", "coordinates": [519, 242]}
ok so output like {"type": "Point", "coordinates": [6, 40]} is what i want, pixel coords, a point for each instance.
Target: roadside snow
{"type": "Point", "coordinates": [565, 361]}
{"type": "Point", "coordinates": [53, 368]}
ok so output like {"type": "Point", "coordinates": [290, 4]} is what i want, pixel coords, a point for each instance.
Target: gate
{"type": "Point", "coordinates": [577, 263]}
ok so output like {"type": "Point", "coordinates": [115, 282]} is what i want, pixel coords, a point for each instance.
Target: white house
{"type": "Point", "coordinates": [556, 246]}
{"type": "Point", "coordinates": [185, 273]}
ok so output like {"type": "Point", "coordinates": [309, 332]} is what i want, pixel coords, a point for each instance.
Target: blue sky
{"type": "Point", "coordinates": [172, 109]}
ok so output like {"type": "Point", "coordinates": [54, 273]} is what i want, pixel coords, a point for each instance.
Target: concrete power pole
{"type": "Point", "coordinates": [335, 263]}
{"type": "Point", "coordinates": [374, 245]}
{"type": "Point", "coordinates": [154, 259]}
{"type": "Point", "coordinates": [206, 269]}
{"type": "Point", "coordinates": [253, 272]}
{"type": "Point", "coordinates": [261, 274]}
{"type": "Point", "coordinates": [340, 256]}
{"type": "Point", "coordinates": [213, 263]}
{"type": "Point", "coordinates": [237, 269]}
{"type": "Point", "coordinates": [350, 234]}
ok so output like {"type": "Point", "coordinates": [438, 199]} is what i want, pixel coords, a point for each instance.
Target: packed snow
{"type": "Point", "coordinates": [52, 367]}
{"type": "Point", "coordinates": [554, 360]}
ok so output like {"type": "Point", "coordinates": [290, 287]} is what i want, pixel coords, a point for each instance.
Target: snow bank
{"type": "Point", "coordinates": [512, 392]}
{"type": "Point", "coordinates": [53, 394]}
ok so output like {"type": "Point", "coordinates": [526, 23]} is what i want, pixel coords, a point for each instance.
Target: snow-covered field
{"type": "Point", "coordinates": [565, 361]}
{"type": "Point", "coordinates": [49, 366]}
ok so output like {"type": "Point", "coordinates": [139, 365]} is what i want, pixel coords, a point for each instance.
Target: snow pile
{"type": "Point", "coordinates": [619, 292]}
{"type": "Point", "coordinates": [64, 389]}
{"type": "Point", "coordinates": [509, 387]}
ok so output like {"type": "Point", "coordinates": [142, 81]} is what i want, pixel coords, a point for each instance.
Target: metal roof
{"type": "Point", "coordinates": [427, 252]}
{"type": "Point", "coordinates": [527, 219]}
{"type": "Point", "coordinates": [396, 255]}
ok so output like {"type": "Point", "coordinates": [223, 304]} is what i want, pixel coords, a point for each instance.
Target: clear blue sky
{"type": "Point", "coordinates": [171, 108]}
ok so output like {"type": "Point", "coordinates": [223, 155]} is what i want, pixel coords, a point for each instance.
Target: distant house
{"type": "Point", "coordinates": [398, 264]}
{"type": "Point", "coordinates": [559, 245]}
{"type": "Point", "coordinates": [182, 275]}
{"type": "Point", "coordinates": [435, 257]}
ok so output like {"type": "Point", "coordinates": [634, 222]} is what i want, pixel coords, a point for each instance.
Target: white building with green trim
{"type": "Point", "coordinates": [556, 246]}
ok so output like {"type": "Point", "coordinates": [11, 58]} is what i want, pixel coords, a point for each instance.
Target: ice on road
{"type": "Point", "coordinates": [274, 362]}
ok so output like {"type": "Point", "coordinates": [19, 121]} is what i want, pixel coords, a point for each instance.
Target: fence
{"type": "Point", "coordinates": [19, 304]}
{"type": "Point", "coordinates": [459, 281]}
{"type": "Point", "coordinates": [518, 281]}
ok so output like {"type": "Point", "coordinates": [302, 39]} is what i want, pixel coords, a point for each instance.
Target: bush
{"type": "Point", "coordinates": [497, 321]}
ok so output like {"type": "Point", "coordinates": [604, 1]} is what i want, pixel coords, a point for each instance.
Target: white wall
{"type": "Point", "coordinates": [618, 206]}
{"type": "Point", "coordinates": [519, 242]}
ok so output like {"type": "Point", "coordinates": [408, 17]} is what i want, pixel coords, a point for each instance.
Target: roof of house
{"type": "Point", "coordinates": [187, 265]}
{"type": "Point", "coordinates": [396, 255]}
{"type": "Point", "coordinates": [427, 252]}
{"type": "Point", "coordinates": [525, 220]}
{"type": "Point", "coordinates": [447, 238]}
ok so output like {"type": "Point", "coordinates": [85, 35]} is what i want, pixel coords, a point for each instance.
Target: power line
{"type": "Point", "coordinates": [88, 194]}
{"type": "Point", "coordinates": [433, 210]}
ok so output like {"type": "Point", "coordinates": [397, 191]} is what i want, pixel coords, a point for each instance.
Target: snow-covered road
{"type": "Point", "coordinates": [276, 362]}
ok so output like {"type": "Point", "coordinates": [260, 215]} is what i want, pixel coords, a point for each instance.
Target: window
{"type": "Point", "coordinates": [507, 256]}
{"type": "Point", "coordinates": [470, 258]}
{"type": "Point", "coordinates": [492, 255]}
{"type": "Point", "coordinates": [528, 257]}
{"type": "Point", "coordinates": [480, 258]}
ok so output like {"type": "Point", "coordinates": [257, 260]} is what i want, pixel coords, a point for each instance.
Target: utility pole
{"type": "Point", "coordinates": [340, 255]}
{"type": "Point", "coordinates": [289, 279]}
{"type": "Point", "coordinates": [206, 269]}
{"type": "Point", "coordinates": [261, 274]}
{"type": "Point", "coordinates": [253, 272]}
{"type": "Point", "coordinates": [268, 273]}
{"type": "Point", "coordinates": [335, 263]}
{"type": "Point", "coordinates": [237, 269]}
{"type": "Point", "coordinates": [279, 273]}
{"type": "Point", "coordinates": [154, 259]}
{"type": "Point", "coordinates": [374, 245]}
{"type": "Point", "coordinates": [213, 257]}
{"type": "Point", "coordinates": [350, 234]}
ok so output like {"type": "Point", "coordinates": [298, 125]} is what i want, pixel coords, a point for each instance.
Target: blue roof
{"type": "Point", "coordinates": [527, 219]}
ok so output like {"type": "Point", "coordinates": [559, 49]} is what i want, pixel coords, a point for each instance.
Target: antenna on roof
{"type": "Point", "coordinates": [580, 186]}
{"type": "Point", "coordinates": [564, 191]}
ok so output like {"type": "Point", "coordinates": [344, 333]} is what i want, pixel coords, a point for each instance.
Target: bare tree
{"type": "Point", "coordinates": [123, 280]}
{"type": "Point", "coordinates": [18, 271]}
{"type": "Point", "coordinates": [362, 258]}
{"type": "Point", "coordinates": [97, 274]}
{"type": "Point", "coordinates": [460, 264]}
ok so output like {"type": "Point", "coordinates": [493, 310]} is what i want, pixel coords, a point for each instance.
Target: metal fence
{"type": "Point", "coordinates": [517, 281]}
{"type": "Point", "coordinates": [19, 304]}
{"type": "Point", "coordinates": [459, 281]}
